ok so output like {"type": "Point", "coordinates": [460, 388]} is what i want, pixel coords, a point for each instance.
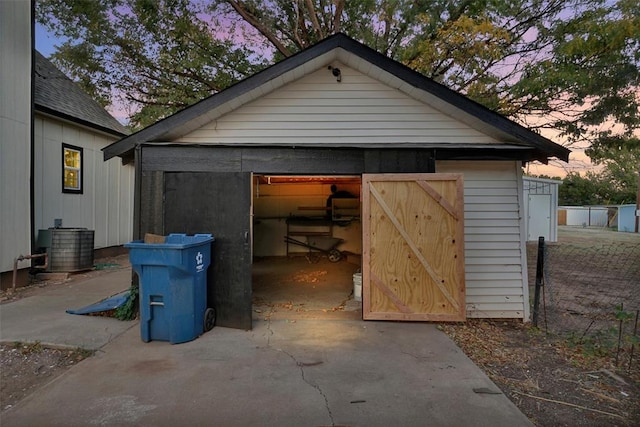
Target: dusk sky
{"type": "Point", "coordinates": [44, 41]}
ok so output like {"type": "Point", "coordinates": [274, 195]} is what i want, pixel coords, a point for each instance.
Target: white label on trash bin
{"type": "Point", "coordinates": [199, 260]}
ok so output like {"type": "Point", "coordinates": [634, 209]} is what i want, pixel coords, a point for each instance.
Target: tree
{"type": "Point", "coordinates": [621, 159]}
{"type": "Point", "coordinates": [590, 76]}
{"type": "Point", "coordinates": [156, 55]}
{"type": "Point", "coordinates": [578, 190]}
{"type": "Point", "coordinates": [616, 183]}
{"type": "Point", "coordinates": [521, 58]}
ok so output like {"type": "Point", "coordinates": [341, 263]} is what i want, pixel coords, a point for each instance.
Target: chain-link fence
{"type": "Point", "coordinates": [591, 294]}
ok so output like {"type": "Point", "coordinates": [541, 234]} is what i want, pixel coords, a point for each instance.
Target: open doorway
{"type": "Point", "coordinates": [307, 246]}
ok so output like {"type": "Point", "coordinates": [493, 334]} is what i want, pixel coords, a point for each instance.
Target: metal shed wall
{"type": "Point", "coordinates": [586, 216]}
{"type": "Point", "coordinates": [627, 218]}
{"type": "Point", "coordinates": [533, 215]}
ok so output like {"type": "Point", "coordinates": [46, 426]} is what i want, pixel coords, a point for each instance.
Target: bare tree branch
{"type": "Point", "coordinates": [255, 23]}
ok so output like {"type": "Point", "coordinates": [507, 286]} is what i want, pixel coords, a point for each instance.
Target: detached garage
{"type": "Point", "coordinates": [435, 215]}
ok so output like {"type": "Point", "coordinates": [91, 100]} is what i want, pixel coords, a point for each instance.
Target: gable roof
{"type": "Point", "coordinates": [57, 95]}
{"type": "Point", "coordinates": [363, 58]}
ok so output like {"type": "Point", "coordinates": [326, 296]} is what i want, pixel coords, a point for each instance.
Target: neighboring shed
{"type": "Point", "coordinates": [626, 218]}
{"type": "Point", "coordinates": [98, 195]}
{"type": "Point", "coordinates": [440, 180]}
{"type": "Point", "coordinates": [584, 216]}
{"type": "Point", "coordinates": [541, 208]}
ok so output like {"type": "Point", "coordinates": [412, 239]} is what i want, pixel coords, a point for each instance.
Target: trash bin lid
{"type": "Point", "coordinates": [174, 241]}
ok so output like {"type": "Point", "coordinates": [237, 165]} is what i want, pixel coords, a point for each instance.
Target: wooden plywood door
{"type": "Point", "coordinates": [562, 217]}
{"type": "Point", "coordinates": [413, 247]}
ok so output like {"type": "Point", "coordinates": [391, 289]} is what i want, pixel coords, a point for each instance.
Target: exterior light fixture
{"type": "Point", "coordinates": [336, 72]}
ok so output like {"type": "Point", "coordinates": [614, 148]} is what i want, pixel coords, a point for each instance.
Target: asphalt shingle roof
{"type": "Point", "coordinates": [58, 95]}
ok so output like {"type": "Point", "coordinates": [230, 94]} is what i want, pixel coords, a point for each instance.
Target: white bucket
{"type": "Point", "coordinates": [357, 286]}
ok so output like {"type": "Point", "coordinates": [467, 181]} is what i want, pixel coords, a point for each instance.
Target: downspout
{"type": "Point", "coordinates": [137, 159]}
{"type": "Point", "coordinates": [637, 212]}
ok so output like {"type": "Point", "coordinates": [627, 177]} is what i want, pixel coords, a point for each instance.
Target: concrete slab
{"type": "Point", "coordinates": [289, 370]}
{"type": "Point", "coordinates": [42, 317]}
{"type": "Point", "coordinates": [298, 373]}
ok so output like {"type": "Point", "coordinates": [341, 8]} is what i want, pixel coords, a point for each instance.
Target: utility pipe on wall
{"type": "Point", "coordinates": [22, 258]}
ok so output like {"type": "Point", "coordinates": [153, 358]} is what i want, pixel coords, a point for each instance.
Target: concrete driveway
{"type": "Point", "coordinates": [282, 373]}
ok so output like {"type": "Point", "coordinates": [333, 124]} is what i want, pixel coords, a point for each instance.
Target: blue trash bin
{"type": "Point", "coordinates": [173, 287]}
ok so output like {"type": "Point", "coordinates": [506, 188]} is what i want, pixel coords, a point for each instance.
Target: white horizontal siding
{"type": "Point", "coordinates": [482, 245]}
{"type": "Point", "coordinates": [494, 272]}
{"type": "Point", "coordinates": [497, 311]}
{"type": "Point", "coordinates": [106, 204]}
{"type": "Point", "coordinates": [317, 109]}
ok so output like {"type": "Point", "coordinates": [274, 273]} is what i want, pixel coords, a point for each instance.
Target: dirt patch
{"type": "Point", "coordinates": [27, 367]}
{"type": "Point", "coordinates": [552, 383]}
{"type": "Point", "coordinates": [591, 236]}
{"type": "Point", "coordinates": [565, 373]}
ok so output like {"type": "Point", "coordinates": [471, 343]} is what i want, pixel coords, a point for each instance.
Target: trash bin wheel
{"type": "Point", "coordinates": [335, 255]}
{"type": "Point", "coordinates": [209, 319]}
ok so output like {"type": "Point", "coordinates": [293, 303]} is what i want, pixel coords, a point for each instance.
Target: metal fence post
{"type": "Point", "coordinates": [539, 280]}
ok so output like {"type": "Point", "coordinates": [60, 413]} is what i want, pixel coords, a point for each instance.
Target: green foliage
{"type": "Point", "coordinates": [616, 183]}
{"type": "Point", "coordinates": [82, 353]}
{"type": "Point", "coordinates": [621, 159]}
{"type": "Point", "coordinates": [158, 56]}
{"type": "Point", "coordinates": [620, 314]}
{"type": "Point", "coordinates": [28, 348]}
{"type": "Point", "coordinates": [578, 190]}
{"type": "Point", "coordinates": [605, 342]}
{"type": "Point", "coordinates": [600, 344]}
{"type": "Point", "coordinates": [129, 310]}
{"type": "Point", "coordinates": [590, 75]}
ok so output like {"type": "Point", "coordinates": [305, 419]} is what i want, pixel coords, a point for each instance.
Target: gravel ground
{"type": "Point", "coordinates": [552, 383]}
{"type": "Point", "coordinates": [27, 367]}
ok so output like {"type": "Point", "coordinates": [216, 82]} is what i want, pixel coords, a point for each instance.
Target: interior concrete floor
{"type": "Point", "coordinates": [304, 287]}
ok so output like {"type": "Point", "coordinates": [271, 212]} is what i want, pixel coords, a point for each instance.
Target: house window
{"type": "Point", "coordinates": [71, 169]}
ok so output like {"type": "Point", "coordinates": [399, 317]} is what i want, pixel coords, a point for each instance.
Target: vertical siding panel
{"type": "Point", "coordinates": [89, 205]}
{"type": "Point", "coordinates": [52, 202]}
{"type": "Point", "coordinates": [15, 131]}
{"type": "Point", "coordinates": [105, 219]}
{"type": "Point", "coordinates": [38, 177]}
{"type": "Point", "coordinates": [106, 187]}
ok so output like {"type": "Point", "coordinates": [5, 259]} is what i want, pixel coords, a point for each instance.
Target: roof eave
{"type": "Point", "coordinates": [519, 133]}
{"type": "Point", "coordinates": [158, 129]}
{"type": "Point", "coordinates": [490, 117]}
{"type": "Point", "coordinates": [72, 119]}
